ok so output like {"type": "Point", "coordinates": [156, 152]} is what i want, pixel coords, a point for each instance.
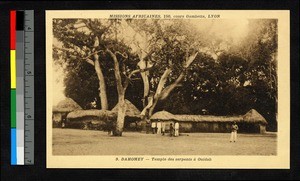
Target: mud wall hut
{"type": "Point", "coordinates": [104, 119]}
{"type": "Point", "coordinates": [164, 116]}
{"type": "Point", "coordinates": [206, 123]}
{"type": "Point", "coordinates": [92, 119]}
{"type": "Point", "coordinates": [132, 117]}
{"type": "Point", "coordinates": [251, 122]}
{"type": "Point", "coordinates": [254, 121]}
{"type": "Point", "coordinates": [61, 110]}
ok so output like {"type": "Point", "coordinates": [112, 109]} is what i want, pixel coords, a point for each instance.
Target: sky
{"type": "Point", "coordinates": [57, 77]}
{"type": "Point", "coordinates": [225, 29]}
{"type": "Point", "coordinates": [58, 87]}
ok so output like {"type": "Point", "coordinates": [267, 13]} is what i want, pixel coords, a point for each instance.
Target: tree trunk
{"type": "Point", "coordinates": [149, 108]}
{"type": "Point", "coordinates": [146, 87]}
{"type": "Point", "coordinates": [121, 116]}
{"type": "Point", "coordinates": [143, 65]}
{"type": "Point", "coordinates": [166, 92]}
{"type": "Point", "coordinates": [152, 107]}
{"type": "Point", "coordinates": [121, 94]}
{"type": "Point", "coordinates": [102, 86]}
{"type": "Point", "coordinates": [163, 92]}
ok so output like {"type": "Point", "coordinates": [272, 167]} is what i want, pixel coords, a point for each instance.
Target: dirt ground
{"type": "Point", "coordinates": [89, 142]}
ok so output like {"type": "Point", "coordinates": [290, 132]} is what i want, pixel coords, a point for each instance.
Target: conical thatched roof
{"type": "Point", "coordinates": [163, 115]}
{"type": "Point", "coordinates": [102, 114]}
{"type": "Point", "coordinates": [131, 110]}
{"type": "Point", "coordinates": [66, 105]}
{"type": "Point", "coordinates": [253, 116]}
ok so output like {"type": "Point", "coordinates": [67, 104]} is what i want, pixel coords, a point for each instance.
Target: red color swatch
{"type": "Point", "coordinates": [12, 30]}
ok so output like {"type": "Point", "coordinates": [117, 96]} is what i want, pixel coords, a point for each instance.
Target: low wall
{"type": "Point", "coordinates": [95, 123]}
{"type": "Point", "coordinates": [215, 127]}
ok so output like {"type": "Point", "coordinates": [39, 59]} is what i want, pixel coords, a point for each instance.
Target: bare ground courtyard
{"type": "Point", "coordinates": [89, 142]}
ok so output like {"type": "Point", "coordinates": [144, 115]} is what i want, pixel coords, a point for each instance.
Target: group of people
{"type": "Point", "coordinates": [159, 127]}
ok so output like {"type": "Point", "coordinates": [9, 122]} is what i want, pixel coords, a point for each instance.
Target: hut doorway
{"type": "Point", "coordinates": [63, 120]}
{"type": "Point", "coordinates": [248, 128]}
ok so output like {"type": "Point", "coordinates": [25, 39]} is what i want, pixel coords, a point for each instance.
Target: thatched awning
{"type": "Point", "coordinates": [163, 115]}
{"type": "Point", "coordinates": [66, 105]}
{"type": "Point", "coordinates": [253, 116]}
{"type": "Point", "coordinates": [131, 110]}
{"type": "Point", "coordinates": [102, 114]}
{"type": "Point", "coordinates": [207, 118]}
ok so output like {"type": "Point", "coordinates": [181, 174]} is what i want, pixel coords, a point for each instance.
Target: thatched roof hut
{"type": "Point", "coordinates": [163, 115]}
{"type": "Point", "coordinates": [101, 114]}
{"type": "Point", "coordinates": [131, 110]}
{"type": "Point", "coordinates": [91, 119]}
{"type": "Point", "coordinates": [66, 105]}
{"type": "Point", "coordinates": [254, 117]}
{"type": "Point", "coordinates": [251, 117]}
{"type": "Point", "coordinates": [252, 122]}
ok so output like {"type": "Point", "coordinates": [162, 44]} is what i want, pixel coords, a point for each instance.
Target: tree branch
{"type": "Point", "coordinates": [141, 70]}
{"type": "Point", "coordinates": [82, 26]}
{"type": "Point", "coordinates": [165, 93]}
{"type": "Point", "coordinates": [128, 78]}
{"type": "Point", "coordinates": [90, 61]}
{"type": "Point", "coordinates": [190, 59]}
{"type": "Point", "coordinates": [124, 55]}
{"type": "Point", "coordinates": [162, 81]}
{"type": "Point", "coordinates": [87, 59]}
{"type": "Point", "coordinates": [93, 54]}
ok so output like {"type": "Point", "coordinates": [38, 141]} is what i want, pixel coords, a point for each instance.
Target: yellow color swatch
{"type": "Point", "coordinates": [13, 73]}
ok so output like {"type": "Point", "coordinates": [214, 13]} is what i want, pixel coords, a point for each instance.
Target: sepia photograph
{"type": "Point", "coordinates": [167, 89]}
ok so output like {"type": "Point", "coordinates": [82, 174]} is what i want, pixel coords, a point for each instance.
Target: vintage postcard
{"type": "Point", "coordinates": [183, 89]}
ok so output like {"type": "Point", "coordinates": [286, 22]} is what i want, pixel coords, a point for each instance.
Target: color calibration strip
{"type": "Point", "coordinates": [22, 87]}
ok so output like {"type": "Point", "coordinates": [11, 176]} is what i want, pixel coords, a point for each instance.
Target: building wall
{"type": "Point", "coordinates": [262, 129]}
{"type": "Point", "coordinates": [56, 120]}
{"type": "Point", "coordinates": [249, 127]}
{"type": "Point", "coordinates": [216, 127]}
{"type": "Point", "coordinates": [208, 127]}
{"type": "Point", "coordinates": [223, 127]}
{"type": "Point", "coordinates": [95, 123]}
{"type": "Point", "coordinates": [88, 122]}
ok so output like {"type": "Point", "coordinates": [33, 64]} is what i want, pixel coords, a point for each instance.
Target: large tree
{"type": "Point", "coordinates": [177, 45]}
{"type": "Point", "coordinates": [79, 40]}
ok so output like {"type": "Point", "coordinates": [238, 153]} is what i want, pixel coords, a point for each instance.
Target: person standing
{"type": "Point", "coordinates": [158, 125]}
{"type": "Point", "coordinates": [171, 130]}
{"type": "Point", "coordinates": [163, 128]}
{"type": "Point", "coordinates": [111, 124]}
{"type": "Point", "coordinates": [234, 129]}
{"type": "Point", "coordinates": [63, 121]}
{"type": "Point", "coordinates": [153, 126]}
{"type": "Point", "coordinates": [176, 126]}
{"type": "Point", "coordinates": [148, 125]}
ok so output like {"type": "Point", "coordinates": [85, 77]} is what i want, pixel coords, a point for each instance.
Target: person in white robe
{"type": "Point", "coordinates": [176, 127]}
